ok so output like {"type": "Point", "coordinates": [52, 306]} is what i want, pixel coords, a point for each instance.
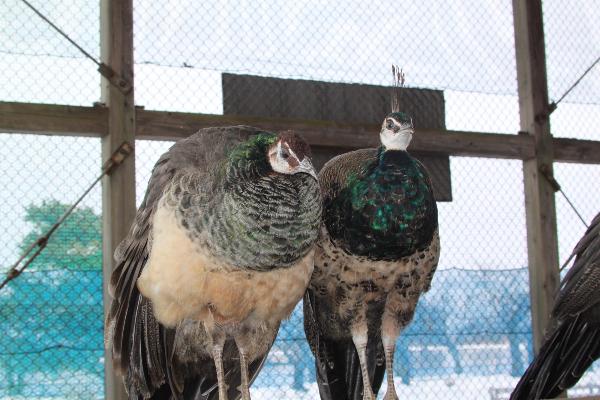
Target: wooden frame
{"type": "Point", "coordinates": [119, 120]}
{"type": "Point", "coordinates": [540, 210]}
{"type": "Point", "coordinates": [118, 188]}
{"type": "Point", "coordinates": [51, 119]}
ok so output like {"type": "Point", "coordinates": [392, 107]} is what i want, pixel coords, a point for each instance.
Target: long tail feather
{"type": "Point", "coordinates": [563, 358]}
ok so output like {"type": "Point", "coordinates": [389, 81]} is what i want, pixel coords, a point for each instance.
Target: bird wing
{"type": "Point", "coordinates": [142, 348]}
{"type": "Point", "coordinates": [333, 177]}
{"type": "Point", "coordinates": [579, 289]}
{"type": "Point", "coordinates": [573, 339]}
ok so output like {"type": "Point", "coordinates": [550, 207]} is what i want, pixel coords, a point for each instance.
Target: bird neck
{"type": "Point", "coordinates": [248, 160]}
{"type": "Point", "coordinates": [274, 224]}
{"type": "Point", "coordinates": [393, 158]}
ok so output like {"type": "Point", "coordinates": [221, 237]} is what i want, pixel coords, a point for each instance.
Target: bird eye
{"type": "Point", "coordinates": [284, 155]}
{"type": "Point", "coordinates": [390, 124]}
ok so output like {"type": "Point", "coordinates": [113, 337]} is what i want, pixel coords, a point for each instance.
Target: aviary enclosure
{"type": "Point", "coordinates": [481, 78]}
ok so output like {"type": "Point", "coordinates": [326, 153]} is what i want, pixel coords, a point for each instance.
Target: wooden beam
{"type": "Point", "coordinates": [118, 189]}
{"type": "Point", "coordinates": [172, 126]}
{"type": "Point", "coordinates": [52, 119]}
{"type": "Point", "coordinates": [542, 242]}
{"type": "Point", "coordinates": [576, 151]}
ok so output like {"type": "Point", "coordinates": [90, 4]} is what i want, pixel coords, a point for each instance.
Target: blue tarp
{"type": "Point", "coordinates": [471, 322]}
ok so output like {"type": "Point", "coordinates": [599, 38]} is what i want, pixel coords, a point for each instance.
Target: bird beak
{"type": "Point", "coordinates": [307, 167]}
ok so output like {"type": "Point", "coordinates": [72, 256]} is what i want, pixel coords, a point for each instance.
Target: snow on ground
{"type": "Point", "coordinates": [463, 387]}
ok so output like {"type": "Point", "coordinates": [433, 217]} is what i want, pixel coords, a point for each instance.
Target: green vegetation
{"type": "Point", "coordinates": [77, 244]}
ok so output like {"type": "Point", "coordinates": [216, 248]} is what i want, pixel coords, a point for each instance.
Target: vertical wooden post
{"type": "Point", "coordinates": [118, 189]}
{"type": "Point", "coordinates": [542, 243]}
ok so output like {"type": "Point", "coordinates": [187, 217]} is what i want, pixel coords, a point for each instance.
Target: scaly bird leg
{"type": "Point", "coordinates": [359, 337]}
{"type": "Point", "coordinates": [398, 313]}
{"type": "Point", "coordinates": [389, 346]}
{"type": "Point", "coordinates": [217, 353]}
{"type": "Point", "coordinates": [245, 384]}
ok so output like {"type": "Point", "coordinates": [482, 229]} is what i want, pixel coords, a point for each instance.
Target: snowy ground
{"type": "Point", "coordinates": [495, 387]}
{"type": "Point", "coordinates": [275, 382]}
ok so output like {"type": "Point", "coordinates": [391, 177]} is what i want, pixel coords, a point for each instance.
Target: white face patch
{"type": "Point", "coordinates": [283, 160]}
{"type": "Point", "coordinates": [278, 158]}
{"type": "Point", "coordinates": [396, 140]}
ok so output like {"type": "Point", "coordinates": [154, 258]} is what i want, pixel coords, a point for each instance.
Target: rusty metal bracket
{"type": "Point", "coordinates": [547, 173]}
{"type": "Point", "coordinates": [117, 81]}
{"type": "Point", "coordinates": [106, 71]}
{"type": "Point", "coordinates": [117, 158]}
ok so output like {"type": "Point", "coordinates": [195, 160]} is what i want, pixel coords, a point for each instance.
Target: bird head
{"type": "Point", "coordinates": [290, 154]}
{"type": "Point", "coordinates": [396, 131]}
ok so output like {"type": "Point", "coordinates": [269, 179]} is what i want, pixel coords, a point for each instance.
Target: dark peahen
{"type": "Point", "coordinates": [572, 341]}
{"type": "Point", "coordinates": [377, 252]}
{"type": "Point", "coordinates": [220, 252]}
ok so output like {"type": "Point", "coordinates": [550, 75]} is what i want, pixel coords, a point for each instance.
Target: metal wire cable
{"type": "Point", "coordinates": [63, 34]}
{"type": "Point", "coordinates": [114, 161]}
{"type": "Point", "coordinates": [574, 208]}
{"type": "Point", "coordinates": [554, 104]}
{"type": "Point", "coordinates": [547, 173]}
{"type": "Point", "coordinates": [103, 68]}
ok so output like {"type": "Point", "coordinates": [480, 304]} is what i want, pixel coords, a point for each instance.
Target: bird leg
{"type": "Point", "coordinates": [245, 384]}
{"type": "Point", "coordinates": [218, 340]}
{"type": "Point", "coordinates": [397, 315]}
{"type": "Point", "coordinates": [359, 337]}
{"type": "Point", "coordinates": [389, 346]}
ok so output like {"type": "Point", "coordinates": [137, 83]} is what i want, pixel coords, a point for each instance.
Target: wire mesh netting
{"type": "Point", "coordinates": [51, 316]}
{"type": "Point", "coordinates": [40, 66]}
{"type": "Point", "coordinates": [471, 336]}
{"type": "Point", "coordinates": [335, 41]}
{"type": "Point", "coordinates": [572, 45]}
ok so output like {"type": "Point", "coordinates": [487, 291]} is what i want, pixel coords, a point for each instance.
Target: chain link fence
{"type": "Point", "coordinates": [51, 317]}
{"type": "Point", "coordinates": [40, 66]}
{"type": "Point", "coordinates": [471, 337]}
{"type": "Point", "coordinates": [572, 45]}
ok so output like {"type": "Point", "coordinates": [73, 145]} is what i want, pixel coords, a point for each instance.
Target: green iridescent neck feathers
{"type": "Point", "coordinates": [386, 212]}
{"type": "Point", "coordinates": [250, 155]}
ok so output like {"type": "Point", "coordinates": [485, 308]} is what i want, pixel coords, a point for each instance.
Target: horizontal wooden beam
{"type": "Point", "coordinates": [576, 151]}
{"type": "Point", "coordinates": [51, 119]}
{"type": "Point", "coordinates": [171, 126]}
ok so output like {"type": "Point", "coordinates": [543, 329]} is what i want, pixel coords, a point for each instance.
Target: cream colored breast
{"type": "Point", "coordinates": [183, 281]}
